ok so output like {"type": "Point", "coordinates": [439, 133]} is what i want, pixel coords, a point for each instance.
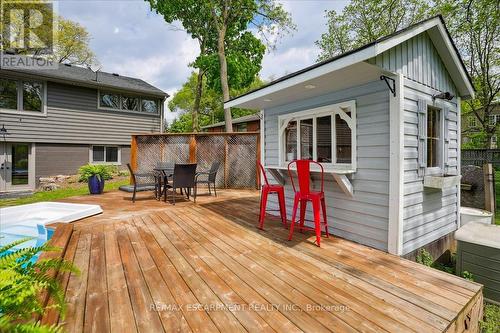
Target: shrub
{"type": "Point", "coordinates": [123, 173]}
{"type": "Point", "coordinates": [102, 171]}
{"type": "Point", "coordinates": [21, 283]}
{"type": "Point", "coordinates": [491, 322]}
{"type": "Point", "coordinates": [424, 258]}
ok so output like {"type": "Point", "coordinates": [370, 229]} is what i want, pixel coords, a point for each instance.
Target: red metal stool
{"type": "Point", "coordinates": [271, 188]}
{"type": "Point", "coordinates": [304, 195]}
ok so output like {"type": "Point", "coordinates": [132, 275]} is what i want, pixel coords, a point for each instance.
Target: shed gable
{"type": "Point", "coordinates": [418, 60]}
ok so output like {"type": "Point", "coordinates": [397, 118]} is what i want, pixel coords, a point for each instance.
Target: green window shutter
{"type": "Point", "coordinates": [422, 137]}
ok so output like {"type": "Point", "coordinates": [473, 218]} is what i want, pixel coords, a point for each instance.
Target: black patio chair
{"type": "Point", "coordinates": [137, 185]}
{"type": "Point", "coordinates": [183, 178]}
{"type": "Point", "coordinates": [208, 177]}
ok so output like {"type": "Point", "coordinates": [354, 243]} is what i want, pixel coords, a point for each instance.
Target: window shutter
{"type": "Point", "coordinates": [446, 136]}
{"type": "Point", "coordinates": [422, 137]}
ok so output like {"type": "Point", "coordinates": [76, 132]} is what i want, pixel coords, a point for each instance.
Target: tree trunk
{"type": "Point", "coordinates": [197, 100]}
{"type": "Point", "coordinates": [223, 79]}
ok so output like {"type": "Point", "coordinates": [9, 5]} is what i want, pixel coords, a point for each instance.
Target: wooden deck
{"type": "Point", "coordinates": [206, 268]}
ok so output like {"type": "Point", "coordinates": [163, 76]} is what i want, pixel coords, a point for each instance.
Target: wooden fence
{"type": "Point", "coordinates": [238, 154]}
{"type": "Point", "coordinates": [479, 157]}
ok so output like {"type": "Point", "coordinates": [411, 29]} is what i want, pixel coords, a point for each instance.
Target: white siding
{"type": "Point", "coordinates": [363, 218]}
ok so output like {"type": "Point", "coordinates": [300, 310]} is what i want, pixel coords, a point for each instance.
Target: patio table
{"type": "Point", "coordinates": [167, 172]}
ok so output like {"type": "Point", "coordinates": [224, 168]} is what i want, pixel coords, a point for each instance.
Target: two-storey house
{"type": "Point", "coordinates": [55, 120]}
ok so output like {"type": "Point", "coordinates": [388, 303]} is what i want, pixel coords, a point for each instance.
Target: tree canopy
{"type": "Point", "coordinates": [230, 54]}
{"type": "Point", "coordinates": [473, 24]}
{"type": "Point", "coordinates": [71, 40]}
{"type": "Point", "coordinates": [210, 111]}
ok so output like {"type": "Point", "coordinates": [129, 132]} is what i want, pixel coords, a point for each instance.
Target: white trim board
{"type": "Point", "coordinates": [437, 33]}
{"type": "Point", "coordinates": [396, 168]}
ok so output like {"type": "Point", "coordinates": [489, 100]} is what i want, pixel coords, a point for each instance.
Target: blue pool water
{"type": "Point", "coordinates": [11, 233]}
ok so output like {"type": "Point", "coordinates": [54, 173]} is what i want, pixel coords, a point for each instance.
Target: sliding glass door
{"type": "Point", "coordinates": [15, 167]}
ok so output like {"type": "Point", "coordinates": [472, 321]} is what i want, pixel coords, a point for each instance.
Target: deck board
{"type": "Point", "coordinates": [205, 267]}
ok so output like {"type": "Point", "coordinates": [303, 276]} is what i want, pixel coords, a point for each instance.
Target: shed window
{"type": "Point", "coordinates": [105, 154]}
{"type": "Point", "coordinates": [326, 134]}
{"type": "Point", "coordinates": [434, 134]}
{"type": "Point", "coordinates": [291, 141]}
{"type": "Point", "coordinates": [324, 139]}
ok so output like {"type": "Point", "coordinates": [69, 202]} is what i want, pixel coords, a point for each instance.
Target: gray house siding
{"type": "Point", "coordinates": [364, 217]}
{"type": "Point", "coordinates": [64, 159]}
{"type": "Point", "coordinates": [52, 159]}
{"type": "Point", "coordinates": [428, 213]}
{"type": "Point", "coordinates": [73, 117]}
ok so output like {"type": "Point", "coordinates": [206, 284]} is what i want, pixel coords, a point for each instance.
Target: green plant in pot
{"type": "Point", "coordinates": [95, 175]}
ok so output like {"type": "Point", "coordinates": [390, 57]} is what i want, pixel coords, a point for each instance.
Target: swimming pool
{"type": "Point", "coordinates": [31, 220]}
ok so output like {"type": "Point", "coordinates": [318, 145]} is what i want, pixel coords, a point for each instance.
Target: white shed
{"type": "Point", "coordinates": [384, 122]}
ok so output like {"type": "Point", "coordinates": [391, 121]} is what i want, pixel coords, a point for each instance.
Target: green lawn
{"type": "Point", "coordinates": [80, 189]}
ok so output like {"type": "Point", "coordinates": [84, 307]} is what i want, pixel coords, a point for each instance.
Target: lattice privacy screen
{"type": "Point", "coordinates": [236, 153]}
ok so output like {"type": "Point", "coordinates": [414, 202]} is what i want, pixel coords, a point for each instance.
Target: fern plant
{"type": "Point", "coordinates": [22, 280]}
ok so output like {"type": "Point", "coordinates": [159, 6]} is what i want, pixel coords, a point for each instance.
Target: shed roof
{"type": "Point", "coordinates": [86, 77]}
{"type": "Point", "coordinates": [437, 30]}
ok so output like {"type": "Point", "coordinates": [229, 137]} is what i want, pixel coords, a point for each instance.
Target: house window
{"type": "Point", "coordinates": [149, 106]}
{"type": "Point", "coordinates": [434, 136]}
{"type": "Point", "coordinates": [325, 134]}
{"type": "Point", "coordinates": [21, 95]}
{"type": "Point", "coordinates": [109, 100]}
{"type": "Point", "coordinates": [130, 103]}
{"type": "Point", "coordinates": [116, 101]}
{"type": "Point", "coordinates": [32, 96]}
{"type": "Point", "coordinates": [105, 154]}
{"type": "Point", "coordinates": [8, 94]}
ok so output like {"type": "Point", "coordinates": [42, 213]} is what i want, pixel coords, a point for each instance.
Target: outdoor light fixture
{"type": "Point", "coordinates": [267, 100]}
{"type": "Point", "coordinates": [310, 86]}
{"type": "Point", "coordinates": [444, 95]}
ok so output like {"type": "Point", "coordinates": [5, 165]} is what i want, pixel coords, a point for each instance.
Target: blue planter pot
{"type": "Point", "coordinates": [96, 185]}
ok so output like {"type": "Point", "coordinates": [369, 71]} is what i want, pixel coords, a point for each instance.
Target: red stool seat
{"type": "Point", "coordinates": [266, 190]}
{"type": "Point", "coordinates": [304, 195]}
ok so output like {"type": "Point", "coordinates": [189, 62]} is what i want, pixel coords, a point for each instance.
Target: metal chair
{"type": "Point", "coordinates": [183, 177]}
{"type": "Point", "coordinates": [137, 186]}
{"type": "Point", "coordinates": [271, 188]}
{"type": "Point", "coordinates": [210, 177]}
{"type": "Point", "coordinates": [304, 194]}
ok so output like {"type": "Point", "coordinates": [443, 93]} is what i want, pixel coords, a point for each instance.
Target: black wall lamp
{"type": "Point", "coordinates": [444, 95]}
